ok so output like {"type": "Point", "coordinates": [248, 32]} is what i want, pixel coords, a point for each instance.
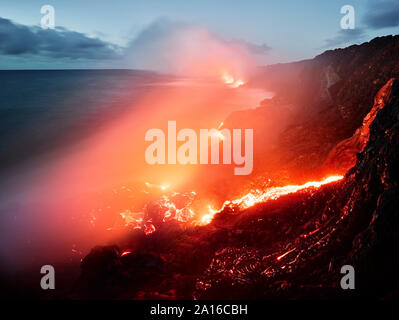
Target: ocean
{"type": "Point", "coordinates": [64, 133]}
{"type": "Point", "coordinates": [43, 109]}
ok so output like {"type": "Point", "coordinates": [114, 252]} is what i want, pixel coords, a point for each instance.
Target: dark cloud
{"type": "Point", "coordinates": [18, 39]}
{"type": "Point", "coordinates": [344, 37]}
{"type": "Point", "coordinates": [382, 14]}
{"type": "Point", "coordinates": [164, 45]}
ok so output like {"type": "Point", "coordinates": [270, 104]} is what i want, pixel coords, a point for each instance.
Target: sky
{"type": "Point", "coordinates": [132, 33]}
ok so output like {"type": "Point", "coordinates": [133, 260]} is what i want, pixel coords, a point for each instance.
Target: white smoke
{"type": "Point", "coordinates": [183, 49]}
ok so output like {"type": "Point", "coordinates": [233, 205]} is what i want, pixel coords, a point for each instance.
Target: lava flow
{"type": "Point", "coordinates": [231, 81]}
{"type": "Point", "coordinates": [178, 206]}
{"type": "Point", "coordinates": [259, 196]}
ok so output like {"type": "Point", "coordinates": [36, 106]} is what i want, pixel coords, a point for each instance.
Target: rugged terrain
{"type": "Point", "coordinates": [293, 247]}
{"type": "Point", "coordinates": [328, 98]}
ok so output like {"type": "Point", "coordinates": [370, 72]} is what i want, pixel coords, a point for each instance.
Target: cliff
{"type": "Point", "coordinates": [343, 156]}
{"type": "Point", "coordinates": [328, 98]}
{"type": "Point", "coordinates": [290, 248]}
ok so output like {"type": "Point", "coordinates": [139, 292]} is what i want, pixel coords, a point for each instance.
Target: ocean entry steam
{"type": "Point", "coordinates": [69, 136]}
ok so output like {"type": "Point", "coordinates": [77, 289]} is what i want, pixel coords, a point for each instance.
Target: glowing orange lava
{"type": "Point", "coordinates": [149, 228]}
{"type": "Point", "coordinates": [231, 81]}
{"type": "Point", "coordinates": [186, 214]}
{"type": "Point", "coordinates": [124, 253]}
{"type": "Point", "coordinates": [284, 254]}
{"type": "Point", "coordinates": [207, 218]}
{"type": "Point", "coordinates": [259, 196]}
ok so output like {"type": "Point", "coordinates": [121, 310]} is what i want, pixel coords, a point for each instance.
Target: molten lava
{"type": "Point", "coordinates": [167, 208]}
{"type": "Point", "coordinates": [126, 252]}
{"type": "Point", "coordinates": [207, 218]}
{"type": "Point", "coordinates": [231, 81]}
{"type": "Point", "coordinates": [258, 196]}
